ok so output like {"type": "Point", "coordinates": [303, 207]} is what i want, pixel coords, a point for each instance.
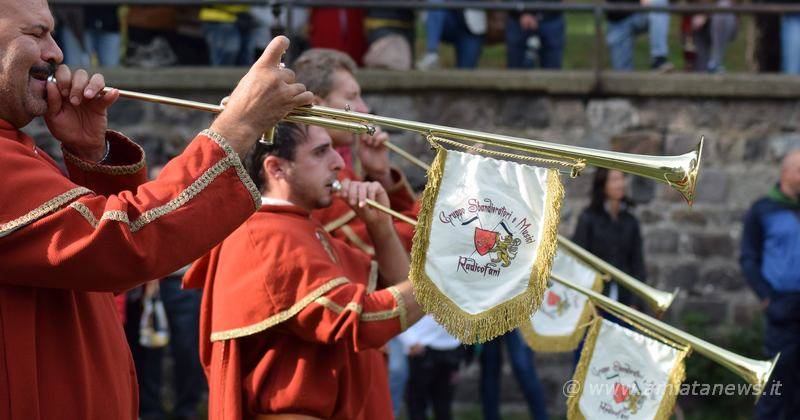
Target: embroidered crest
{"type": "Point", "coordinates": [323, 239]}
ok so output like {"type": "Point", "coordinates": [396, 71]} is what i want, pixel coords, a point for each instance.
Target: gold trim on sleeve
{"type": "Point", "coordinates": [340, 221]}
{"type": "Point", "coordinates": [352, 306]}
{"type": "Point", "coordinates": [153, 214]}
{"type": "Point", "coordinates": [401, 307]}
{"type": "Point", "coordinates": [234, 160]}
{"type": "Point", "coordinates": [106, 169]}
{"type": "Point", "coordinates": [280, 316]}
{"type": "Point", "coordinates": [43, 210]}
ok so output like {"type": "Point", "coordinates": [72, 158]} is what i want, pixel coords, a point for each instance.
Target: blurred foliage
{"type": "Point", "coordinates": [744, 340]}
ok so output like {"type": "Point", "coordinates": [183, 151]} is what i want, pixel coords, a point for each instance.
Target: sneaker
{"type": "Point", "coordinates": [428, 61]}
{"type": "Point", "coordinates": [661, 65]}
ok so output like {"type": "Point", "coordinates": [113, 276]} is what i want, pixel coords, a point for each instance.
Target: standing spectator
{"type": "Point", "coordinates": [770, 260]}
{"type": "Point", "coordinates": [524, 371]}
{"type": "Point", "coordinates": [228, 32]}
{"type": "Point", "coordinates": [790, 43]}
{"type": "Point", "coordinates": [89, 31]}
{"type": "Point", "coordinates": [338, 29]}
{"type": "Point", "coordinates": [608, 230]}
{"type": "Point", "coordinates": [623, 28]}
{"type": "Point", "coordinates": [433, 357]}
{"type": "Point", "coordinates": [766, 51]}
{"type": "Point", "coordinates": [710, 35]}
{"type": "Point", "coordinates": [183, 311]}
{"type": "Point", "coordinates": [464, 29]}
{"type": "Point", "coordinates": [269, 25]}
{"type": "Point", "coordinates": [535, 38]}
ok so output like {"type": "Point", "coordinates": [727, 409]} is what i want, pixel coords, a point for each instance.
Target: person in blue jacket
{"type": "Point", "coordinates": [770, 260]}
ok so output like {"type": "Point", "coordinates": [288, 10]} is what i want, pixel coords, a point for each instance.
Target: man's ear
{"type": "Point", "coordinates": [274, 168]}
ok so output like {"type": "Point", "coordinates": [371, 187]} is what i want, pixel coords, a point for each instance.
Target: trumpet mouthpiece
{"type": "Point", "coordinates": [336, 185]}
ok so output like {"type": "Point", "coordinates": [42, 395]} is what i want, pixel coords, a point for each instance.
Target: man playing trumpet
{"type": "Point", "coordinates": [292, 319]}
{"type": "Point", "coordinates": [68, 241]}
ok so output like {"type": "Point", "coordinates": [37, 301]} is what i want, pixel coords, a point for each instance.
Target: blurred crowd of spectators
{"type": "Point", "coordinates": [232, 35]}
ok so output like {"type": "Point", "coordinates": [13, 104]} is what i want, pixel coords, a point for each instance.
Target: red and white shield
{"type": "Point", "coordinates": [485, 240]}
{"type": "Point", "coordinates": [621, 392]}
{"type": "Point", "coordinates": [553, 299]}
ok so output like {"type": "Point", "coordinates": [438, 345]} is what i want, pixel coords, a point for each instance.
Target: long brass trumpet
{"type": "Point", "coordinates": [658, 300]}
{"type": "Point", "coordinates": [680, 172]}
{"type": "Point", "coordinates": [755, 372]}
{"type": "Point", "coordinates": [354, 127]}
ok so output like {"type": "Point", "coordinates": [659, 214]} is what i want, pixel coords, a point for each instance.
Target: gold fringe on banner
{"type": "Point", "coordinates": [674, 380]}
{"type": "Point", "coordinates": [496, 321]}
{"type": "Point", "coordinates": [561, 343]}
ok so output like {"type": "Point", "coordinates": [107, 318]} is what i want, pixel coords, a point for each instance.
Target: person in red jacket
{"type": "Point", "coordinates": [292, 319]}
{"type": "Point", "coordinates": [331, 76]}
{"type": "Point", "coordinates": [68, 241]}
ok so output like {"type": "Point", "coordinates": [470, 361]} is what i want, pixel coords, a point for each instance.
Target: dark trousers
{"type": "Point", "coordinates": [551, 36]}
{"type": "Point", "coordinates": [524, 370]}
{"type": "Point", "coordinates": [183, 308]}
{"type": "Point", "coordinates": [432, 381]}
{"type": "Point", "coordinates": [781, 397]}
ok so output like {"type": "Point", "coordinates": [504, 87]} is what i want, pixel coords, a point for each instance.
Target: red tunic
{"type": "Point", "coordinates": [289, 323]}
{"type": "Point", "coordinates": [67, 243]}
{"type": "Point", "coordinates": [341, 221]}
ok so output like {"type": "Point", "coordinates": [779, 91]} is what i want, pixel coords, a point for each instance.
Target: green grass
{"type": "Point", "coordinates": [580, 47]}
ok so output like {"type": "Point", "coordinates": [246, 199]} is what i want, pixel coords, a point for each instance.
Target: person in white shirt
{"type": "Point", "coordinates": [433, 358]}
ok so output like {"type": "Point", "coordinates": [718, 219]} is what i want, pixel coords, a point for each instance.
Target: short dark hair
{"type": "Point", "coordinates": [287, 137]}
{"type": "Point", "coordinates": [315, 68]}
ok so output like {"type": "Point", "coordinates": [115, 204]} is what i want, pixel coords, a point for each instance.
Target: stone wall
{"type": "Point", "coordinates": [695, 249]}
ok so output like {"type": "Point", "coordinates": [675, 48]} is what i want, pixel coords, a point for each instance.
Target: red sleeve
{"type": "Point", "coordinates": [67, 236]}
{"type": "Point", "coordinates": [368, 320]}
{"type": "Point", "coordinates": [401, 197]}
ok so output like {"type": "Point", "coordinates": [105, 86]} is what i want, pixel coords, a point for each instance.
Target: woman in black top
{"type": "Point", "coordinates": [608, 230]}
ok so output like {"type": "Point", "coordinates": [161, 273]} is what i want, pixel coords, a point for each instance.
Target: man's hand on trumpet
{"type": "Point", "coordinates": [77, 111]}
{"type": "Point", "coordinates": [264, 96]}
{"type": "Point", "coordinates": [356, 195]}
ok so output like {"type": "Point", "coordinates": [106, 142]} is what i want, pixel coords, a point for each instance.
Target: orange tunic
{"type": "Point", "coordinates": [67, 243]}
{"type": "Point", "coordinates": [341, 221]}
{"type": "Point", "coordinates": [290, 323]}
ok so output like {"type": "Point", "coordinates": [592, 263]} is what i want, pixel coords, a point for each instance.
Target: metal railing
{"type": "Point", "coordinates": [597, 10]}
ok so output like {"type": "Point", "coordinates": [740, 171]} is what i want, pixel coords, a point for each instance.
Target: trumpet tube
{"type": "Point", "coordinates": [679, 171]}
{"type": "Point", "coordinates": [755, 372]}
{"type": "Point", "coordinates": [658, 300]}
{"type": "Point", "coordinates": [201, 106]}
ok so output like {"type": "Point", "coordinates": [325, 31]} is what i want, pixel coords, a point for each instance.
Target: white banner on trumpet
{"type": "Point", "coordinates": [484, 243]}
{"type": "Point", "coordinates": [561, 320]}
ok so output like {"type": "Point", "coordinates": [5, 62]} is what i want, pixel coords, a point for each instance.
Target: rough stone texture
{"type": "Point", "coordinates": [695, 249]}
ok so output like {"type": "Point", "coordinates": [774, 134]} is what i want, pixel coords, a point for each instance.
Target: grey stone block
{"type": "Point", "coordinates": [661, 241]}
{"type": "Point", "coordinates": [712, 244]}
